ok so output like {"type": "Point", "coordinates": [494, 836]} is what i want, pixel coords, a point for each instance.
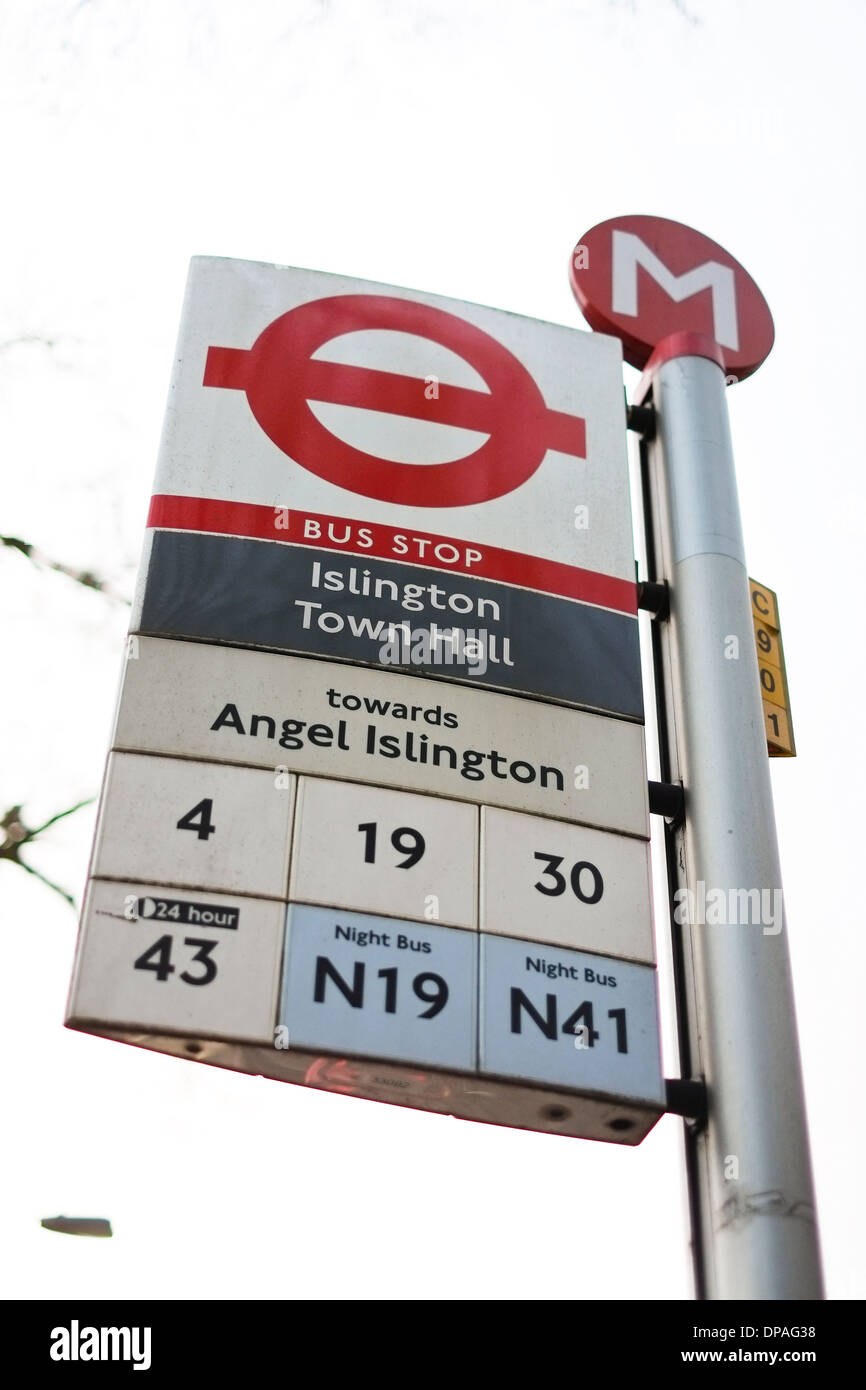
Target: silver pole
{"type": "Point", "coordinates": [750, 1175]}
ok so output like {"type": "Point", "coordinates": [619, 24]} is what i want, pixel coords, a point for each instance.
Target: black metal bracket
{"type": "Point", "coordinates": [667, 799]}
{"type": "Point", "coordinates": [641, 419]}
{"type": "Point", "coordinates": [654, 598]}
{"type": "Point", "coordinates": [687, 1098]}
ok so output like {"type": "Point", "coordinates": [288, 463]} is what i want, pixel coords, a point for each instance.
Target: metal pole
{"type": "Point", "coordinates": [750, 1178]}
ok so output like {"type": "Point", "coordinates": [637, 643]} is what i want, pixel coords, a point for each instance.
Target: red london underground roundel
{"type": "Point", "coordinates": [280, 376]}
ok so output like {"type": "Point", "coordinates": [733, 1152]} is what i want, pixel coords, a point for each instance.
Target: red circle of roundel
{"type": "Point", "coordinates": [280, 377]}
{"type": "Point", "coordinates": [644, 278]}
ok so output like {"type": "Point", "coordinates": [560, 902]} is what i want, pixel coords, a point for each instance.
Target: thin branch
{"type": "Point", "coordinates": [60, 814]}
{"type": "Point", "coordinates": [28, 868]}
{"type": "Point", "coordinates": [85, 577]}
{"type": "Point", "coordinates": [18, 834]}
{"type": "Point", "coordinates": [27, 339]}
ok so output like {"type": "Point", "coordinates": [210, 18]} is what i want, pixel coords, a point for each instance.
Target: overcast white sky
{"type": "Point", "coordinates": [459, 147]}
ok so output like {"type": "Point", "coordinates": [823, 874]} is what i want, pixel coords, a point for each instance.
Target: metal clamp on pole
{"type": "Point", "coordinates": [642, 420]}
{"type": "Point", "coordinates": [654, 599]}
{"type": "Point", "coordinates": [686, 1098]}
{"type": "Point", "coordinates": [667, 799]}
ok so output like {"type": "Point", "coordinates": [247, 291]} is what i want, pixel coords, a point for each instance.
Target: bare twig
{"type": "Point", "coordinates": [26, 339]}
{"type": "Point", "coordinates": [85, 577]}
{"type": "Point", "coordinates": [17, 834]}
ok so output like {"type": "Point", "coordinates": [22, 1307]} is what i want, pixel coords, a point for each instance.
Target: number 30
{"type": "Point", "coordinates": [553, 862]}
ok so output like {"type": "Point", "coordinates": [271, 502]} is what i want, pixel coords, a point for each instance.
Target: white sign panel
{"type": "Point", "coordinates": [200, 963]}
{"type": "Point", "coordinates": [385, 852]}
{"type": "Point", "coordinates": [545, 880]}
{"type": "Point", "coordinates": [203, 825]}
{"type": "Point", "coordinates": [353, 723]}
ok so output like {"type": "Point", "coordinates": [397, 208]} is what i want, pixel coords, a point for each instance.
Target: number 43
{"type": "Point", "coordinates": [158, 959]}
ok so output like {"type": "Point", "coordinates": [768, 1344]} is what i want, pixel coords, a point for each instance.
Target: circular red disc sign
{"type": "Point", "coordinates": [280, 377]}
{"type": "Point", "coordinates": [644, 278]}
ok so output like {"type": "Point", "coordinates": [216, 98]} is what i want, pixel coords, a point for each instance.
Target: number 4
{"type": "Point", "coordinates": [157, 958]}
{"type": "Point", "coordinates": [199, 819]}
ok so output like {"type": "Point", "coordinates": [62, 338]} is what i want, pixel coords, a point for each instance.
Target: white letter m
{"type": "Point", "coordinates": [629, 252]}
